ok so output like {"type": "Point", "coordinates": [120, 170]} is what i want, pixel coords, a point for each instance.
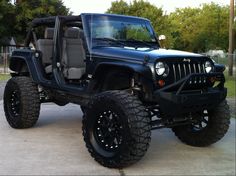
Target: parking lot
{"type": "Point", "coordinates": [55, 146]}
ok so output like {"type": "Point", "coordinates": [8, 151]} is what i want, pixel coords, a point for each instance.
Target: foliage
{"type": "Point", "coordinates": [230, 84]}
{"type": "Point", "coordinates": [119, 7]}
{"type": "Point", "coordinates": [191, 29]}
{"type": "Point", "coordinates": [6, 13]}
{"type": "Point", "coordinates": [15, 18]}
{"type": "Point", "coordinates": [184, 28]}
{"type": "Point", "coordinates": [27, 10]}
{"type": "Point", "coordinates": [143, 9]}
{"type": "Point", "coordinates": [140, 34]}
{"type": "Point", "coordinates": [200, 29]}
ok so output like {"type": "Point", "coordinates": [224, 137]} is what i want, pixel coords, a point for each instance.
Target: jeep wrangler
{"type": "Point", "coordinates": [126, 84]}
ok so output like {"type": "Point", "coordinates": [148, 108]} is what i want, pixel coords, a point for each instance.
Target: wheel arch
{"type": "Point", "coordinates": [19, 65]}
{"type": "Point", "coordinates": [134, 68]}
{"type": "Point", "coordinates": [24, 66]}
{"type": "Point", "coordinates": [137, 71]}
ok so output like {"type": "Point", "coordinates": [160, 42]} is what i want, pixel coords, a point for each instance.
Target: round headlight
{"type": "Point", "coordinates": [208, 67]}
{"type": "Point", "coordinates": [162, 69]}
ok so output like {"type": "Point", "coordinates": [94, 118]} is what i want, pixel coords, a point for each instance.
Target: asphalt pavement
{"type": "Point", "coordinates": [2, 87]}
{"type": "Point", "coordinates": [55, 146]}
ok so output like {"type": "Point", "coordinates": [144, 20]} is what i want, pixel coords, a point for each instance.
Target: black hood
{"type": "Point", "coordinates": [140, 53]}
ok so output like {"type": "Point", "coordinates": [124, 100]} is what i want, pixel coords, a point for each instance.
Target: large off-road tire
{"type": "Point", "coordinates": [21, 102]}
{"type": "Point", "coordinates": [210, 128]}
{"type": "Point", "coordinates": [116, 129]}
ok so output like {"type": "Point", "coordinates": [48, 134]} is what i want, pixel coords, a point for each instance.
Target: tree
{"type": "Point", "coordinates": [215, 24]}
{"type": "Point", "coordinates": [143, 9]}
{"type": "Point", "coordinates": [27, 10]}
{"type": "Point", "coordinates": [184, 28]}
{"type": "Point", "coordinates": [191, 29]}
{"type": "Point", "coordinates": [15, 18]}
{"type": "Point", "coordinates": [200, 29]}
{"type": "Point", "coordinates": [119, 7]}
{"type": "Point", "coordinates": [6, 12]}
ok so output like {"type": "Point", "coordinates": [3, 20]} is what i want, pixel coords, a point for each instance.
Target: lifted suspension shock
{"type": "Point", "coordinates": [157, 122]}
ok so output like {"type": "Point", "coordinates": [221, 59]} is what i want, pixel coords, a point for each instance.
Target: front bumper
{"type": "Point", "coordinates": [181, 101]}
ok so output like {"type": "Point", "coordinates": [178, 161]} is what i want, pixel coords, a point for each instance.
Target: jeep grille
{"type": "Point", "coordinates": [182, 67]}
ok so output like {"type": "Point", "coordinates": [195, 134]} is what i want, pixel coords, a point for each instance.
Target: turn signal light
{"type": "Point", "coordinates": [161, 83]}
{"type": "Point", "coordinates": [212, 79]}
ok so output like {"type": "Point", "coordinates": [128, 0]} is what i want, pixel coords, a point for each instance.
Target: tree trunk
{"type": "Point", "coordinates": [231, 38]}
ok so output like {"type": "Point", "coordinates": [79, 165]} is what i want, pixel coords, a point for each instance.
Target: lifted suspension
{"type": "Point", "coordinates": [157, 122]}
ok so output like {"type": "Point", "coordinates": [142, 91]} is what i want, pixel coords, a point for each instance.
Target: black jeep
{"type": "Point", "coordinates": [126, 85]}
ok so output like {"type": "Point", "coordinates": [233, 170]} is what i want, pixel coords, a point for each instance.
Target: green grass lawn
{"type": "Point", "coordinates": [230, 84]}
{"type": "Point", "coordinates": [4, 77]}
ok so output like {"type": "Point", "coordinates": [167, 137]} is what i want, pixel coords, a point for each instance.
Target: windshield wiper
{"type": "Point", "coordinates": [142, 42]}
{"type": "Point", "coordinates": [110, 40]}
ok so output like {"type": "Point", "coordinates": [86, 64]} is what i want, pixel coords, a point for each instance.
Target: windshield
{"type": "Point", "coordinates": [121, 32]}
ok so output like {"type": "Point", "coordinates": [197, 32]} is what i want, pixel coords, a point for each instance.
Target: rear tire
{"type": "Point", "coordinates": [21, 102]}
{"type": "Point", "coordinates": [216, 126]}
{"type": "Point", "coordinates": [116, 129]}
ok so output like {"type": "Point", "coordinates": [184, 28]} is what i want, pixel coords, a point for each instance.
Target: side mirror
{"type": "Point", "coordinates": [162, 37]}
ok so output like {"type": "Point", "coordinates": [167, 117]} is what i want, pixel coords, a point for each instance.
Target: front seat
{"type": "Point", "coordinates": [73, 54]}
{"type": "Point", "coordinates": [46, 46]}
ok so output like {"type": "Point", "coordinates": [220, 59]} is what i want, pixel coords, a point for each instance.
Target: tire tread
{"type": "Point", "coordinates": [139, 125]}
{"type": "Point", "coordinates": [220, 125]}
{"type": "Point", "coordinates": [29, 99]}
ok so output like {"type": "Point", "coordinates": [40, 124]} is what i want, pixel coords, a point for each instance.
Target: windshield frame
{"type": "Point", "coordinates": [87, 18]}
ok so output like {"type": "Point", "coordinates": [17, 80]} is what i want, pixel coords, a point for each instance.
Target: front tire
{"type": "Point", "coordinates": [116, 129]}
{"type": "Point", "coordinates": [210, 127]}
{"type": "Point", "coordinates": [21, 102]}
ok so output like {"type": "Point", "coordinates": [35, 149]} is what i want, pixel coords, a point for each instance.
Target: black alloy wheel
{"type": "Point", "coordinates": [207, 128]}
{"type": "Point", "coordinates": [116, 129]}
{"type": "Point", "coordinates": [107, 131]}
{"type": "Point", "coordinates": [201, 122]}
{"type": "Point", "coordinates": [14, 104]}
{"type": "Point", "coordinates": [21, 102]}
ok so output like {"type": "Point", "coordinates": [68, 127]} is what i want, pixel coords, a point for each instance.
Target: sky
{"type": "Point", "coordinates": [100, 6]}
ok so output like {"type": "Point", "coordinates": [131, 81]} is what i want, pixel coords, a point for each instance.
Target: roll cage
{"type": "Point", "coordinates": [57, 80]}
{"type": "Point", "coordinates": [57, 22]}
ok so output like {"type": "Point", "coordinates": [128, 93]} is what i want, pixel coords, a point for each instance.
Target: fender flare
{"type": "Point", "coordinates": [142, 70]}
{"type": "Point", "coordinates": [21, 64]}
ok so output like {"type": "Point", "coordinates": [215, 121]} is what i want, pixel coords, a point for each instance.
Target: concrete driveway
{"type": "Point", "coordinates": [55, 146]}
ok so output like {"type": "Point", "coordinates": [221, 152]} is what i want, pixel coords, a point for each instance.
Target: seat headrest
{"type": "Point", "coordinates": [72, 33]}
{"type": "Point", "coordinates": [49, 32]}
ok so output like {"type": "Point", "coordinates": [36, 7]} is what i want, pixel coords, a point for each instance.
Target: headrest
{"type": "Point", "coordinates": [72, 33]}
{"type": "Point", "coordinates": [49, 32]}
